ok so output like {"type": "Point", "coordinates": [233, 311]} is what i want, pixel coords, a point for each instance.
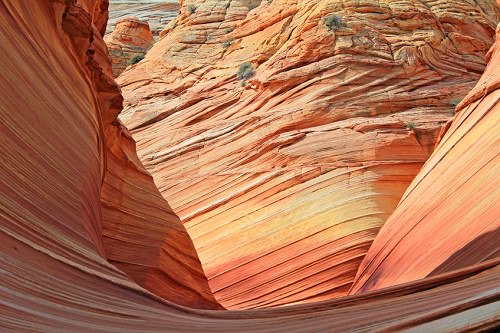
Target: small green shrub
{"type": "Point", "coordinates": [454, 102]}
{"type": "Point", "coordinates": [192, 8]}
{"type": "Point", "coordinates": [254, 4]}
{"type": "Point", "coordinates": [334, 22]}
{"type": "Point", "coordinates": [243, 83]}
{"type": "Point", "coordinates": [135, 59]}
{"type": "Point", "coordinates": [227, 43]}
{"type": "Point", "coordinates": [411, 125]}
{"type": "Point", "coordinates": [245, 71]}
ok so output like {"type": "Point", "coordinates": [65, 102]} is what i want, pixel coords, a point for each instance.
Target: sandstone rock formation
{"type": "Point", "coordinates": [73, 193]}
{"type": "Point", "coordinates": [449, 216]}
{"type": "Point", "coordinates": [283, 179]}
{"type": "Point", "coordinates": [131, 38]}
{"type": "Point", "coordinates": [69, 174]}
{"type": "Point", "coordinates": [158, 13]}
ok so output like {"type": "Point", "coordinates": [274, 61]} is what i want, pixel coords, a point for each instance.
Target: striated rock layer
{"type": "Point", "coordinates": [64, 165]}
{"type": "Point", "coordinates": [449, 216]}
{"type": "Point", "coordinates": [284, 178]}
{"type": "Point", "coordinates": [156, 12]}
{"type": "Point", "coordinates": [130, 39]}
{"type": "Point", "coordinates": [73, 192]}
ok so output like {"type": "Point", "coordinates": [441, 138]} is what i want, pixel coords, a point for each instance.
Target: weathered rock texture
{"type": "Point", "coordinates": [449, 216]}
{"type": "Point", "coordinates": [131, 38]}
{"type": "Point", "coordinates": [63, 165]}
{"type": "Point", "coordinates": [156, 12]}
{"type": "Point", "coordinates": [74, 195]}
{"type": "Point", "coordinates": [284, 179]}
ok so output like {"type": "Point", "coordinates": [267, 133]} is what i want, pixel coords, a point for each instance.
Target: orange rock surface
{"type": "Point", "coordinates": [72, 187]}
{"type": "Point", "coordinates": [284, 179]}
{"type": "Point", "coordinates": [449, 216]}
{"type": "Point", "coordinates": [74, 197]}
{"type": "Point", "coordinates": [131, 38]}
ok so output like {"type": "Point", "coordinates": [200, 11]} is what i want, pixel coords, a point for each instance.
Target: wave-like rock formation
{"type": "Point", "coordinates": [131, 38]}
{"type": "Point", "coordinates": [284, 177]}
{"type": "Point", "coordinates": [73, 191]}
{"type": "Point", "coordinates": [158, 13]}
{"type": "Point", "coordinates": [74, 197]}
{"type": "Point", "coordinates": [449, 216]}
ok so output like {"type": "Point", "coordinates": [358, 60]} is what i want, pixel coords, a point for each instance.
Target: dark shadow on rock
{"type": "Point", "coordinates": [481, 249]}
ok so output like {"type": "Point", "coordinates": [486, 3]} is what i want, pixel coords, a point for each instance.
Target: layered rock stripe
{"type": "Point", "coordinates": [74, 195]}
{"type": "Point", "coordinates": [131, 38]}
{"type": "Point", "coordinates": [449, 217]}
{"type": "Point", "coordinates": [284, 179]}
{"type": "Point", "coordinates": [158, 13]}
{"type": "Point", "coordinates": [59, 153]}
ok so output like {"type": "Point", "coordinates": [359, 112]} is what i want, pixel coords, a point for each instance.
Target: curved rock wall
{"type": "Point", "coordinates": [283, 179]}
{"type": "Point", "coordinates": [448, 217]}
{"type": "Point", "coordinates": [57, 142]}
{"type": "Point", "coordinates": [73, 189]}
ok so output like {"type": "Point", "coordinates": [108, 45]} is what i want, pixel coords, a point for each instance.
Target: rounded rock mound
{"type": "Point", "coordinates": [128, 43]}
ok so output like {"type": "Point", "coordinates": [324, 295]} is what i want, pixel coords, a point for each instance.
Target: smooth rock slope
{"type": "Point", "coordinates": [74, 195]}
{"type": "Point", "coordinates": [284, 177]}
{"type": "Point", "coordinates": [449, 216]}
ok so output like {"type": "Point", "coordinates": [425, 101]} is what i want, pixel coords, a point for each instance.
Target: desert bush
{"type": "Point", "coordinates": [227, 43]}
{"type": "Point", "coordinates": [245, 71]}
{"type": "Point", "coordinates": [454, 102]}
{"type": "Point", "coordinates": [411, 125]}
{"type": "Point", "coordinates": [254, 4]}
{"type": "Point", "coordinates": [135, 59]}
{"type": "Point", "coordinates": [334, 22]}
{"type": "Point", "coordinates": [192, 8]}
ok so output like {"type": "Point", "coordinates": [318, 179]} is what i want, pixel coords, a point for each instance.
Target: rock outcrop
{"type": "Point", "coordinates": [448, 218]}
{"type": "Point", "coordinates": [284, 176]}
{"type": "Point", "coordinates": [128, 43]}
{"type": "Point", "coordinates": [73, 192]}
{"type": "Point", "coordinates": [157, 13]}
